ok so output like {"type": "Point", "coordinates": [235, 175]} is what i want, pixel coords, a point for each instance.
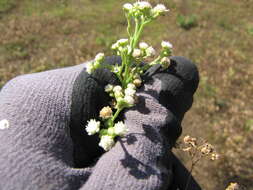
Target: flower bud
{"type": "Point", "coordinates": [122, 42]}
{"type": "Point", "coordinates": [108, 88]}
{"type": "Point", "coordinates": [99, 57]}
{"type": "Point", "coordinates": [131, 85]}
{"type": "Point", "coordinates": [150, 51]}
{"type": "Point", "coordinates": [92, 127]}
{"type": "Point", "coordinates": [129, 100]}
{"type": "Point", "coordinates": [137, 82]}
{"type": "Point", "coordinates": [166, 45]}
{"type": "Point", "coordinates": [89, 67]}
{"type": "Point", "coordinates": [165, 62]}
{"type": "Point", "coordinates": [120, 128]}
{"type": "Point", "coordinates": [118, 94]}
{"type": "Point", "coordinates": [143, 45]}
{"type": "Point", "coordinates": [106, 112]}
{"type": "Point", "coordinates": [142, 5]}
{"type": "Point", "coordinates": [117, 88]}
{"type": "Point", "coordinates": [106, 142]}
{"type": "Point", "coordinates": [136, 53]}
{"type": "Point", "coordinates": [159, 9]}
{"type": "Point", "coordinates": [127, 7]}
{"type": "Point", "coordinates": [130, 92]}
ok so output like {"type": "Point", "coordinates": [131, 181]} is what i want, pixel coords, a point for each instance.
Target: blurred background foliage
{"type": "Point", "coordinates": [217, 35]}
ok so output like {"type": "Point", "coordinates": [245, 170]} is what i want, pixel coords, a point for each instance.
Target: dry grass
{"type": "Point", "coordinates": [42, 35]}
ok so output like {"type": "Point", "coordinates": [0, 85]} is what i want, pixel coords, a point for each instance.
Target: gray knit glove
{"type": "Point", "coordinates": [43, 141]}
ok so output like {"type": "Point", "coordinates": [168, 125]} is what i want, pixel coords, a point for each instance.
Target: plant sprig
{"type": "Point", "coordinates": [132, 53]}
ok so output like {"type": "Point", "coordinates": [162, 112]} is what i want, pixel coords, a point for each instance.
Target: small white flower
{"type": "Point", "coordinates": [130, 92]}
{"type": "Point", "coordinates": [115, 46]}
{"type": "Point", "coordinates": [122, 42]}
{"type": "Point", "coordinates": [143, 45]}
{"type": "Point", "coordinates": [108, 88]}
{"type": "Point", "coordinates": [131, 85]}
{"type": "Point", "coordinates": [99, 57]}
{"type": "Point", "coordinates": [150, 51]}
{"type": "Point", "coordinates": [160, 8]}
{"type": "Point", "coordinates": [127, 6]}
{"type": "Point", "coordinates": [117, 88]}
{"type": "Point", "coordinates": [118, 94]}
{"type": "Point", "coordinates": [143, 5]}
{"type": "Point", "coordinates": [89, 67]}
{"type": "Point", "coordinates": [136, 53]}
{"type": "Point", "coordinates": [120, 128]}
{"type": "Point", "coordinates": [165, 62]}
{"type": "Point", "coordinates": [129, 99]}
{"type": "Point", "coordinates": [106, 142]}
{"type": "Point", "coordinates": [166, 45]}
{"type": "Point", "coordinates": [92, 127]}
{"type": "Point", "coordinates": [4, 124]}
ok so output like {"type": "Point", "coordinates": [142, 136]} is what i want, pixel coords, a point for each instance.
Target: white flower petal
{"type": "Point", "coordinates": [166, 44]}
{"type": "Point", "coordinates": [106, 142]}
{"type": "Point", "coordinates": [4, 124]}
{"type": "Point", "coordinates": [120, 129]}
{"type": "Point", "coordinates": [93, 127]}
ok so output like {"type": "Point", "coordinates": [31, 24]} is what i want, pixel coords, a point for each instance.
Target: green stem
{"type": "Point", "coordinates": [128, 26]}
{"type": "Point", "coordinates": [116, 114]}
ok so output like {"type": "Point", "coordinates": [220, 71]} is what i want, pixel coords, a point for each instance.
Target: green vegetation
{"type": "Point", "coordinates": [41, 35]}
{"type": "Point", "coordinates": [6, 5]}
{"type": "Point", "coordinates": [187, 22]}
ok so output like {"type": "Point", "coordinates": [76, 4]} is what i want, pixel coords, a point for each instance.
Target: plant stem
{"type": "Point", "coordinates": [116, 114]}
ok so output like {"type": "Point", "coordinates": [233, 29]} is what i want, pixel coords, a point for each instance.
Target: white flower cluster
{"type": "Point", "coordinates": [93, 127]}
{"type": "Point", "coordinates": [107, 136]}
{"type": "Point", "coordinates": [91, 66]}
{"type": "Point", "coordinates": [121, 45]}
{"type": "Point", "coordinates": [144, 51]}
{"type": "Point", "coordinates": [144, 8]}
{"type": "Point", "coordinates": [123, 97]}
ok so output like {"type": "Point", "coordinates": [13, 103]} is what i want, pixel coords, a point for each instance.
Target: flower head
{"type": "Point", "coordinates": [99, 57]}
{"type": "Point", "coordinates": [137, 82]}
{"type": "Point", "coordinates": [106, 142]}
{"type": "Point", "coordinates": [108, 88]}
{"type": "Point", "coordinates": [4, 124]}
{"type": "Point", "coordinates": [106, 112]}
{"type": "Point", "coordinates": [117, 88]}
{"type": "Point", "coordinates": [142, 5]}
{"type": "Point", "coordinates": [122, 42]}
{"type": "Point", "coordinates": [90, 67]}
{"type": "Point", "coordinates": [129, 99]}
{"type": "Point", "coordinates": [150, 51]}
{"type": "Point", "coordinates": [128, 7]}
{"type": "Point", "coordinates": [131, 85]}
{"type": "Point", "coordinates": [120, 128]}
{"type": "Point", "coordinates": [206, 149]}
{"type": "Point", "coordinates": [143, 45]}
{"type": "Point", "coordinates": [191, 141]}
{"type": "Point", "coordinates": [165, 62]}
{"type": "Point", "coordinates": [92, 127]}
{"type": "Point", "coordinates": [166, 45]}
{"type": "Point", "coordinates": [159, 9]}
{"type": "Point", "coordinates": [136, 53]}
{"type": "Point", "coordinates": [130, 92]}
{"type": "Point", "coordinates": [215, 156]}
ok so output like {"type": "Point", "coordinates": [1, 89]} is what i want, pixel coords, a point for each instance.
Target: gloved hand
{"type": "Point", "coordinates": [43, 140]}
{"type": "Point", "coordinates": [47, 113]}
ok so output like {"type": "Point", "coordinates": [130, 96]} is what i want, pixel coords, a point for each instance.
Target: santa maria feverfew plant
{"type": "Point", "coordinates": [133, 53]}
